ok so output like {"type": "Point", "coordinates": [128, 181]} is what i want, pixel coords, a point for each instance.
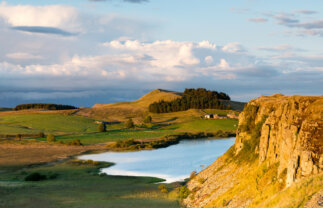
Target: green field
{"type": "Point", "coordinates": [114, 135]}
{"type": "Point", "coordinates": [67, 128]}
{"type": "Point", "coordinates": [79, 185]}
{"type": "Point", "coordinates": [48, 123]}
{"type": "Point", "coordinates": [211, 125]}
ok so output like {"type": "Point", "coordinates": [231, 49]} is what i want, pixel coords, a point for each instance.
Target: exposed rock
{"type": "Point", "coordinates": [290, 135]}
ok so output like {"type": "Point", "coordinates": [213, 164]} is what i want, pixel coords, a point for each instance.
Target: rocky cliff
{"type": "Point", "coordinates": [279, 146]}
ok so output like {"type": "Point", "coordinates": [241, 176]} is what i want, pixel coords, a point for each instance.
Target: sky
{"type": "Point", "coordinates": [82, 52]}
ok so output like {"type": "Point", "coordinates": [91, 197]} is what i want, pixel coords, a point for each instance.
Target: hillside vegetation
{"type": "Point", "coordinates": [192, 99]}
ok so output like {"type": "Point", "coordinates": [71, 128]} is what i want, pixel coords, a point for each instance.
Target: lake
{"type": "Point", "coordinates": [174, 163]}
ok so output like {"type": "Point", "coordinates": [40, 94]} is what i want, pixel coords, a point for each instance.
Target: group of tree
{"type": "Point", "coordinates": [192, 99]}
{"type": "Point", "coordinates": [44, 106]}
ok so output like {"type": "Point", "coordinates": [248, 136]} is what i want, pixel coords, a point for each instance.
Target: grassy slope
{"type": "Point", "coordinates": [79, 186]}
{"type": "Point", "coordinates": [265, 187]}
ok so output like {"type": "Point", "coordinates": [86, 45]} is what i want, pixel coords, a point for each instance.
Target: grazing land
{"type": "Point", "coordinates": [77, 184]}
{"type": "Point", "coordinates": [25, 152]}
{"type": "Point", "coordinates": [47, 123]}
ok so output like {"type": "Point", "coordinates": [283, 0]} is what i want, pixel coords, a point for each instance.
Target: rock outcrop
{"type": "Point", "coordinates": [276, 131]}
{"type": "Point", "coordinates": [292, 133]}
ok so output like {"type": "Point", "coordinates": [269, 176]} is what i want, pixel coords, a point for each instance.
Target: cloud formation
{"type": "Point", "coordinates": [160, 64]}
{"type": "Point", "coordinates": [55, 16]}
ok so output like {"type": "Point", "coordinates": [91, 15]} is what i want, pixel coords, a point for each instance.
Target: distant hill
{"type": "Point", "coordinates": [43, 106]}
{"type": "Point", "coordinates": [5, 109]}
{"type": "Point", "coordinates": [146, 100]}
{"type": "Point", "coordinates": [139, 108]}
{"type": "Point", "coordinates": [136, 109]}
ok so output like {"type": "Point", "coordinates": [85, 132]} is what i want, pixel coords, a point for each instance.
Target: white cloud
{"type": "Point", "coordinates": [46, 16]}
{"type": "Point", "coordinates": [208, 60]}
{"type": "Point", "coordinates": [233, 48]}
{"type": "Point", "coordinates": [158, 64]}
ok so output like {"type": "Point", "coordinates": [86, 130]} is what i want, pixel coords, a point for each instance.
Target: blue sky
{"type": "Point", "coordinates": [82, 52]}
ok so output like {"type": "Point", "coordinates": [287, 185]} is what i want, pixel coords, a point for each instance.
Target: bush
{"type": "Point", "coordinates": [53, 176]}
{"type": "Point", "coordinates": [129, 124]}
{"type": "Point", "coordinates": [35, 177]}
{"type": "Point", "coordinates": [41, 134]}
{"type": "Point", "coordinates": [148, 120]}
{"type": "Point", "coordinates": [161, 186]}
{"type": "Point", "coordinates": [75, 142]}
{"type": "Point", "coordinates": [201, 180]}
{"type": "Point", "coordinates": [102, 127]}
{"type": "Point", "coordinates": [51, 138]}
{"type": "Point", "coordinates": [183, 192]}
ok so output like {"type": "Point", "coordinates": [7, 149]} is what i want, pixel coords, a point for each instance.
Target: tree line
{"type": "Point", "coordinates": [44, 106]}
{"type": "Point", "coordinates": [192, 98]}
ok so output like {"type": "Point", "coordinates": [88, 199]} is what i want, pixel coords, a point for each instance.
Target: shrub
{"type": "Point", "coordinates": [51, 138]}
{"type": "Point", "coordinates": [129, 124]}
{"type": "Point", "coordinates": [41, 134]}
{"type": "Point", "coordinates": [35, 177]}
{"type": "Point", "coordinates": [201, 180]}
{"type": "Point", "coordinates": [53, 176]}
{"type": "Point", "coordinates": [165, 191]}
{"type": "Point", "coordinates": [148, 120]}
{"type": "Point", "coordinates": [183, 192]}
{"type": "Point", "coordinates": [102, 127]}
{"type": "Point", "coordinates": [18, 136]}
{"type": "Point", "coordinates": [161, 186]}
{"type": "Point", "coordinates": [75, 142]}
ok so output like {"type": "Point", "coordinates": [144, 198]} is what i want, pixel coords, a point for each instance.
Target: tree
{"type": "Point", "coordinates": [148, 120]}
{"type": "Point", "coordinates": [51, 138]}
{"type": "Point", "coordinates": [129, 124]}
{"type": "Point", "coordinates": [102, 127]}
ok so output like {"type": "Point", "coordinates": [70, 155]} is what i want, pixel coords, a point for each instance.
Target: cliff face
{"type": "Point", "coordinates": [279, 142]}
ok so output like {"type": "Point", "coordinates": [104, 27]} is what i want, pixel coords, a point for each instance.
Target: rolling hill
{"type": "Point", "coordinates": [138, 109]}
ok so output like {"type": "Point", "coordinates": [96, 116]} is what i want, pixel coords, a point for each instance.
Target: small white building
{"type": "Point", "coordinates": [209, 116]}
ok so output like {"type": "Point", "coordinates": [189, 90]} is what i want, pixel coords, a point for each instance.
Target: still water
{"type": "Point", "coordinates": [174, 163]}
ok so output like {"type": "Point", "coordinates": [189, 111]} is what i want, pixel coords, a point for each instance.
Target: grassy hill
{"type": "Point", "coordinates": [69, 125]}
{"type": "Point", "coordinates": [138, 109]}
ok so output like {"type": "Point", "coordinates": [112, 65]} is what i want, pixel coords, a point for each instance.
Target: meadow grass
{"type": "Point", "coordinates": [67, 127]}
{"type": "Point", "coordinates": [48, 123]}
{"type": "Point", "coordinates": [79, 185]}
{"type": "Point", "coordinates": [210, 125]}
{"type": "Point", "coordinates": [114, 135]}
